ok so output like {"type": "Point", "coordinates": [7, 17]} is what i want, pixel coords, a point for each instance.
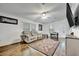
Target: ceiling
{"type": "Point", "coordinates": [33, 11]}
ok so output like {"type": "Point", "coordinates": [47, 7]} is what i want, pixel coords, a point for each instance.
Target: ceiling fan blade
{"type": "Point", "coordinates": [28, 14]}
{"type": "Point", "coordinates": [38, 18]}
{"type": "Point", "coordinates": [43, 7]}
{"type": "Point", "coordinates": [31, 13]}
{"type": "Point", "coordinates": [55, 9]}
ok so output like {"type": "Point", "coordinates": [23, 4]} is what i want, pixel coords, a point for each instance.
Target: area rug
{"type": "Point", "coordinates": [45, 46]}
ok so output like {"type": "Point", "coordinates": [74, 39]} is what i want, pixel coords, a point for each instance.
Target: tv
{"type": "Point", "coordinates": [76, 21]}
{"type": "Point", "coordinates": [69, 15]}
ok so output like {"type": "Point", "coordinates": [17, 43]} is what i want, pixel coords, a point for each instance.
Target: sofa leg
{"type": "Point", "coordinates": [22, 41]}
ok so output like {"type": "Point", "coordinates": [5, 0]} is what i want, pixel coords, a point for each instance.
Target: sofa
{"type": "Point", "coordinates": [32, 36]}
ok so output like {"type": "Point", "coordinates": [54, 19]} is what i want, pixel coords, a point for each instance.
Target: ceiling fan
{"type": "Point", "coordinates": [41, 14]}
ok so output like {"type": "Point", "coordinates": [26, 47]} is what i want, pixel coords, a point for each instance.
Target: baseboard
{"type": "Point", "coordinates": [61, 37]}
{"type": "Point", "coordinates": [10, 44]}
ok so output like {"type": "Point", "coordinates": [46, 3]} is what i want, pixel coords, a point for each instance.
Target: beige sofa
{"type": "Point", "coordinates": [30, 37]}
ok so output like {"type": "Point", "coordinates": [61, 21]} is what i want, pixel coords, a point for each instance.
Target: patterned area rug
{"type": "Point", "coordinates": [46, 46]}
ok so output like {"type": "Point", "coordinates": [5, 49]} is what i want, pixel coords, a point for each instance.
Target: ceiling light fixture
{"type": "Point", "coordinates": [44, 15]}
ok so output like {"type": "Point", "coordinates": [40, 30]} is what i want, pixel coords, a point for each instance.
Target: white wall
{"type": "Point", "coordinates": [28, 21]}
{"type": "Point", "coordinates": [10, 33]}
{"type": "Point", "coordinates": [62, 27]}
{"type": "Point", "coordinates": [45, 29]}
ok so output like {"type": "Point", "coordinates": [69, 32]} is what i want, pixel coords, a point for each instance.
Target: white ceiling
{"type": "Point", "coordinates": [32, 11]}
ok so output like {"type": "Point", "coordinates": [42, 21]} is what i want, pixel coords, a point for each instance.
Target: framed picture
{"type": "Point", "coordinates": [40, 27]}
{"type": "Point", "coordinates": [8, 20]}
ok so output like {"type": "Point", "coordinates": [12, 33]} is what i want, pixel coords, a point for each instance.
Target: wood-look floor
{"type": "Point", "coordinates": [23, 49]}
{"type": "Point", "coordinates": [19, 49]}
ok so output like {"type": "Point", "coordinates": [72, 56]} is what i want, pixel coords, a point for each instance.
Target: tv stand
{"type": "Point", "coordinates": [54, 36]}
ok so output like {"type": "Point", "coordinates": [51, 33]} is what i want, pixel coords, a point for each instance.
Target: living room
{"type": "Point", "coordinates": [40, 27]}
